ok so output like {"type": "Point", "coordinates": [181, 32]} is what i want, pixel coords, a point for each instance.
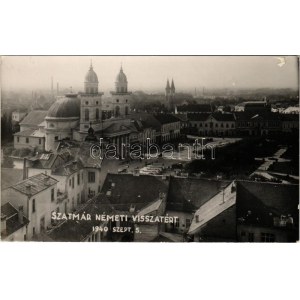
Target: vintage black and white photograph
{"type": "Point", "coordinates": [150, 148]}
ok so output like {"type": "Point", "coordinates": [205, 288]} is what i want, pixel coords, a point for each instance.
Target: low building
{"type": "Point", "coordinates": [30, 138]}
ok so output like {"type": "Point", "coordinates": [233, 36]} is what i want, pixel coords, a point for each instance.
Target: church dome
{"type": "Point", "coordinates": [65, 107]}
{"type": "Point", "coordinates": [91, 76]}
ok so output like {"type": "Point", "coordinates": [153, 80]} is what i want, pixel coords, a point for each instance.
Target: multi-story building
{"type": "Point", "coordinates": [38, 197]}
{"type": "Point", "coordinates": [216, 124]}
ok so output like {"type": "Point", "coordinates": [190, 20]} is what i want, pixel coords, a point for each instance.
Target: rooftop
{"type": "Point", "coordinates": [34, 185]}
{"type": "Point", "coordinates": [34, 117]}
{"type": "Point", "coordinates": [195, 108]}
{"type": "Point", "coordinates": [166, 118]}
{"type": "Point", "coordinates": [125, 190]}
{"type": "Point", "coordinates": [259, 203]}
{"type": "Point", "coordinates": [12, 220]}
{"type": "Point", "coordinates": [188, 194]}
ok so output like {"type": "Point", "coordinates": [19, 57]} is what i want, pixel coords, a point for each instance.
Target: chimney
{"type": "Point", "coordinates": [20, 214]}
{"type": "Point", "coordinates": [28, 189]}
{"type": "Point", "coordinates": [3, 224]}
{"type": "Point", "coordinates": [46, 180]}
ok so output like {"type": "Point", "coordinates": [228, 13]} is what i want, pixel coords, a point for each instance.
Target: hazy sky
{"type": "Point", "coordinates": [149, 73]}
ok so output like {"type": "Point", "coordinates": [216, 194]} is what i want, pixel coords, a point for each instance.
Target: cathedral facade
{"type": "Point", "coordinates": [71, 116]}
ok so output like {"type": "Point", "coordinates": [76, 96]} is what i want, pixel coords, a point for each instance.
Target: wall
{"type": "Point", "coordinates": [17, 235]}
{"type": "Point", "coordinates": [183, 216]}
{"type": "Point", "coordinates": [33, 142]}
{"type": "Point", "coordinates": [282, 235]}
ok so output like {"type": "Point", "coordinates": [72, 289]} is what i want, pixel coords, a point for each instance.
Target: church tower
{"type": "Point", "coordinates": [91, 103]}
{"type": "Point", "coordinates": [121, 97]}
{"type": "Point", "coordinates": [170, 95]}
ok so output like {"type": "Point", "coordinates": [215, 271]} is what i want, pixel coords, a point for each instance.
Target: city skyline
{"type": "Point", "coordinates": [150, 73]}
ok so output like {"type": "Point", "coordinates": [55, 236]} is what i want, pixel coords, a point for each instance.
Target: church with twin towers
{"type": "Point", "coordinates": [85, 116]}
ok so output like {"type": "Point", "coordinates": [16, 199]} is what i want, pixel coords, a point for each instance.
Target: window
{"type": "Point", "coordinates": [227, 126]}
{"type": "Point", "coordinates": [205, 124]}
{"type": "Point", "coordinates": [232, 125]}
{"type": "Point", "coordinates": [87, 102]}
{"type": "Point", "coordinates": [33, 231]}
{"type": "Point", "coordinates": [52, 195]}
{"type": "Point", "coordinates": [97, 102]}
{"type": "Point", "coordinates": [70, 182]}
{"type": "Point", "coordinates": [217, 125]}
{"type": "Point", "coordinates": [73, 182]}
{"type": "Point", "coordinates": [117, 100]}
{"type": "Point", "coordinates": [97, 113]}
{"type": "Point", "coordinates": [56, 138]}
{"type": "Point", "coordinates": [25, 238]}
{"type": "Point", "coordinates": [86, 115]}
{"type": "Point", "coordinates": [188, 223]}
{"type": "Point", "coordinates": [27, 140]}
{"type": "Point", "coordinates": [40, 141]}
{"type": "Point", "coordinates": [177, 223]}
{"type": "Point", "coordinates": [78, 179]}
{"type": "Point", "coordinates": [243, 233]}
{"type": "Point", "coordinates": [250, 237]}
{"type": "Point", "coordinates": [18, 139]}
{"type": "Point", "coordinates": [91, 177]}
{"type": "Point", "coordinates": [267, 237]}
{"type": "Point", "coordinates": [117, 111]}
{"type": "Point", "coordinates": [222, 125]}
{"type": "Point", "coordinates": [33, 205]}
{"type": "Point", "coordinates": [126, 110]}
{"type": "Point", "coordinates": [126, 100]}
{"type": "Point", "coordinates": [51, 125]}
{"type": "Point", "coordinates": [78, 199]}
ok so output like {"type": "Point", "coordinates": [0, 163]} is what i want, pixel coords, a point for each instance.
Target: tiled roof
{"type": "Point", "coordinates": [127, 190]}
{"type": "Point", "coordinates": [198, 117]}
{"type": "Point", "coordinates": [166, 118]}
{"type": "Point", "coordinates": [25, 133]}
{"type": "Point", "coordinates": [196, 108]}
{"type": "Point", "coordinates": [68, 168]}
{"type": "Point", "coordinates": [225, 117]}
{"type": "Point", "coordinates": [37, 184]}
{"type": "Point", "coordinates": [149, 121]}
{"type": "Point", "coordinates": [12, 219]}
{"type": "Point", "coordinates": [31, 133]}
{"type": "Point", "coordinates": [188, 194]}
{"type": "Point", "coordinates": [34, 117]}
{"type": "Point", "coordinates": [46, 160]}
{"type": "Point", "coordinates": [259, 203]}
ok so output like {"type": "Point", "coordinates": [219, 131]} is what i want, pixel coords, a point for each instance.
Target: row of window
{"type": "Point", "coordinates": [87, 102]}
{"type": "Point", "coordinates": [211, 125]}
{"type": "Point", "coordinates": [72, 180]}
{"type": "Point", "coordinates": [27, 140]}
{"type": "Point", "coordinates": [264, 237]}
